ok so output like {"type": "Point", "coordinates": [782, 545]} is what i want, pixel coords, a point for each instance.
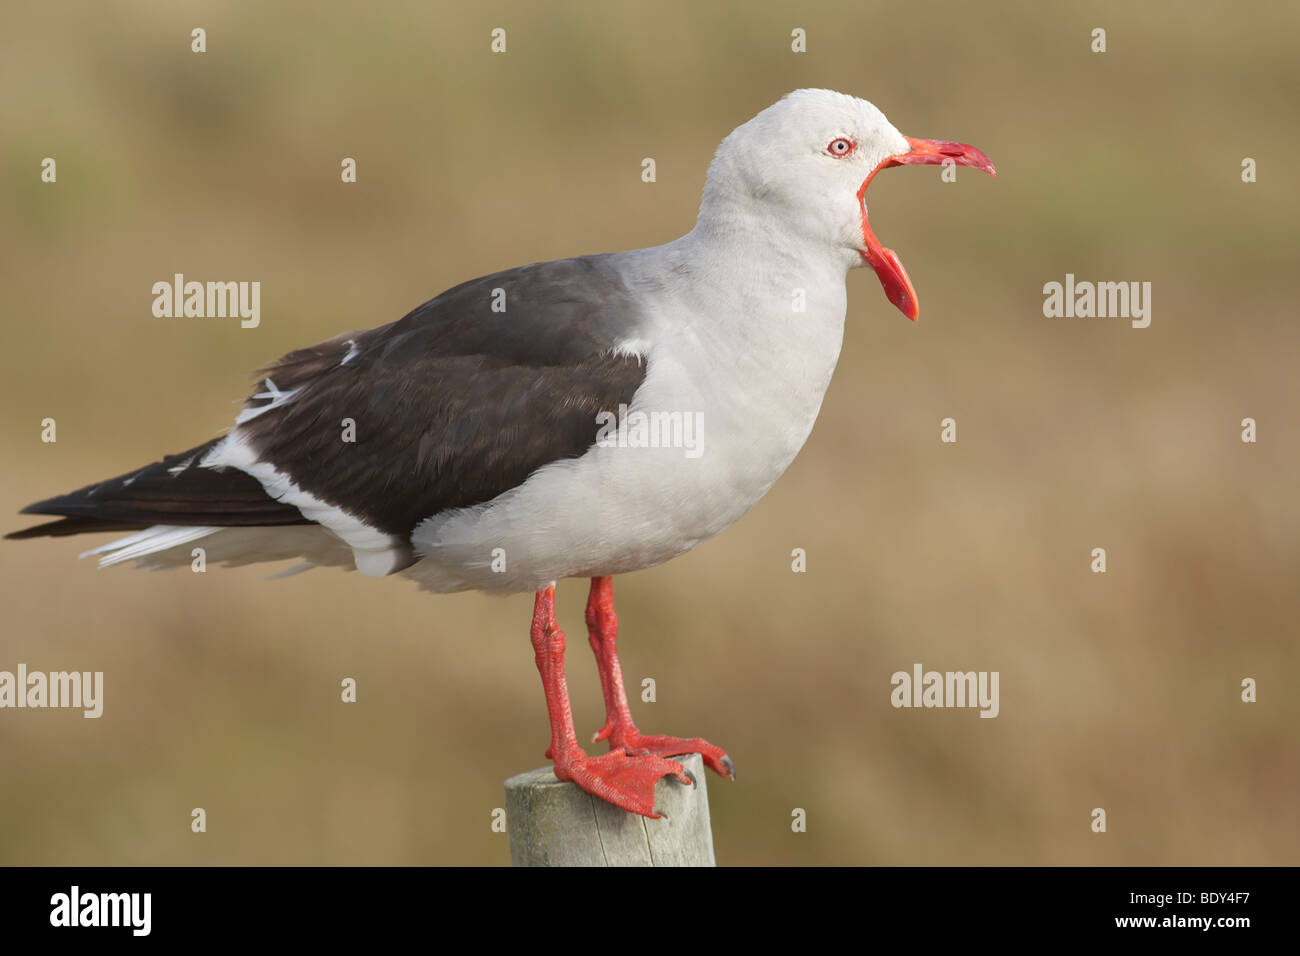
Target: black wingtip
{"type": "Point", "coordinates": [69, 526]}
{"type": "Point", "coordinates": [173, 491]}
{"type": "Point", "coordinates": [35, 531]}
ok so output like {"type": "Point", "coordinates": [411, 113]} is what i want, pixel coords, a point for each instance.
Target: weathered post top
{"type": "Point", "coordinates": [553, 823]}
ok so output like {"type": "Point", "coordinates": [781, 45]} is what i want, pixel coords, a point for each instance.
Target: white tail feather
{"type": "Point", "coordinates": [160, 537]}
{"type": "Point", "coordinates": [157, 548]}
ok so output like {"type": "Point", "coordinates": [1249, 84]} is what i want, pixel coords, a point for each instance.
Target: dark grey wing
{"type": "Point", "coordinates": [459, 401]}
{"type": "Point", "coordinates": [452, 405]}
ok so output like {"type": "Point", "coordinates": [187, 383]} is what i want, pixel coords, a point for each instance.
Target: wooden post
{"type": "Point", "coordinates": [557, 824]}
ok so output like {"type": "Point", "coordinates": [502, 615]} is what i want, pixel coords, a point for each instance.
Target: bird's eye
{"type": "Point", "coordinates": [841, 147]}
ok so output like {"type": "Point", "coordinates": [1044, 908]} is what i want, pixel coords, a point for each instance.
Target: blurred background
{"type": "Point", "coordinates": [1118, 690]}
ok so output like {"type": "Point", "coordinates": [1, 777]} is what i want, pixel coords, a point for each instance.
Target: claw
{"type": "Point", "coordinates": [730, 766]}
{"type": "Point", "coordinates": [660, 815]}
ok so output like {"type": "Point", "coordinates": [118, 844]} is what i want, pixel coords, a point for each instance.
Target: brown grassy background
{"type": "Point", "coordinates": [1118, 690]}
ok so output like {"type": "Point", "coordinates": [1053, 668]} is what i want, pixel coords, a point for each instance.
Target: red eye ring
{"type": "Point", "coordinates": [841, 147]}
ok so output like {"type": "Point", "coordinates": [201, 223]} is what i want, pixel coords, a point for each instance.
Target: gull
{"type": "Point", "coordinates": [466, 445]}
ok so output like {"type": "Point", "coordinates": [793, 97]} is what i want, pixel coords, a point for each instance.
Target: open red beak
{"type": "Point", "coordinates": [924, 152]}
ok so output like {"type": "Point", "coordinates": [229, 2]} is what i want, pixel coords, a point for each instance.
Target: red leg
{"type": "Point", "coordinates": [621, 779]}
{"type": "Point", "coordinates": [602, 628]}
